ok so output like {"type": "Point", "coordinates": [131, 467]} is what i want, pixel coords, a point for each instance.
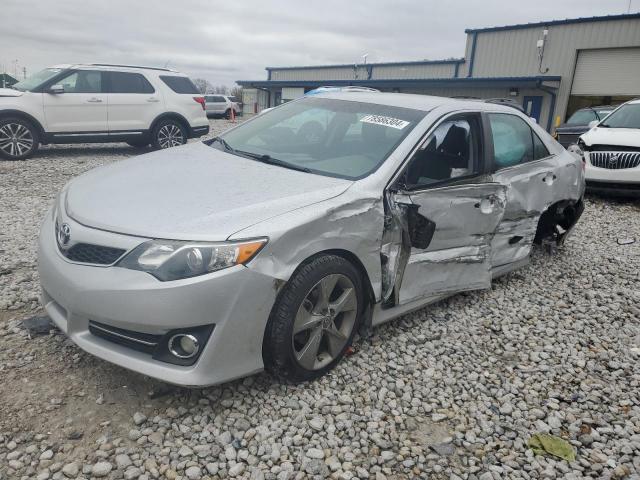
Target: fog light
{"type": "Point", "coordinates": [184, 345]}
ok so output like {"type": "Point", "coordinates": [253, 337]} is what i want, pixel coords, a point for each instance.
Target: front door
{"type": "Point", "coordinates": [441, 212]}
{"type": "Point", "coordinates": [81, 108]}
{"type": "Point", "coordinates": [533, 106]}
{"type": "Point", "coordinates": [133, 102]}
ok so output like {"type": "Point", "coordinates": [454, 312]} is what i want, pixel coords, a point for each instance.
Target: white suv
{"type": "Point", "coordinates": [611, 150]}
{"type": "Point", "coordinates": [100, 103]}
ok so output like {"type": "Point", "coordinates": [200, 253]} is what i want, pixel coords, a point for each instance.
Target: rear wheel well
{"type": "Point", "coordinates": [171, 116]}
{"type": "Point", "coordinates": [563, 214]}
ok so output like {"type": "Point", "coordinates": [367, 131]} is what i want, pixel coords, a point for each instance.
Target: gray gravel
{"type": "Point", "coordinates": [453, 391]}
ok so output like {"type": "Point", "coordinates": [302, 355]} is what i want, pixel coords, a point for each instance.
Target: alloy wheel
{"type": "Point", "coordinates": [15, 139]}
{"type": "Point", "coordinates": [170, 135]}
{"type": "Point", "coordinates": [324, 321]}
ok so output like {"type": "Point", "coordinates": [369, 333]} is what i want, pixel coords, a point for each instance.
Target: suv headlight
{"type": "Point", "coordinates": [172, 260]}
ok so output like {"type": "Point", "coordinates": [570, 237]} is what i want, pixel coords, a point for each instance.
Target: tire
{"type": "Point", "coordinates": [301, 304]}
{"type": "Point", "coordinates": [19, 139]}
{"type": "Point", "coordinates": [227, 114]}
{"type": "Point", "coordinates": [168, 133]}
{"type": "Point", "coordinates": [138, 144]}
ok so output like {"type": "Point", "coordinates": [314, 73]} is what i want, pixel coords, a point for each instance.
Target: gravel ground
{"type": "Point", "coordinates": [451, 391]}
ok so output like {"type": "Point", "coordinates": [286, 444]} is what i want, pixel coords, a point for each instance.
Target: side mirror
{"type": "Point", "coordinates": [593, 123]}
{"type": "Point", "coordinates": [56, 89]}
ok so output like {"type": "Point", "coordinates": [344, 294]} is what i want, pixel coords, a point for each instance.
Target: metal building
{"type": "Point", "coordinates": [550, 68]}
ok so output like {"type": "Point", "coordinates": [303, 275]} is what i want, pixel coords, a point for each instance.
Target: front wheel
{"type": "Point", "coordinates": [169, 133]}
{"type": "Point", "coordinates": [18, 139]}
{"type": "Point", "coordinates": [314, 319]}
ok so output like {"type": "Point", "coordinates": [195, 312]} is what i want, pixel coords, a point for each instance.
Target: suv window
{"type": "Point", "coordinates": [514, 141]}
{"type": "Point", "coordinates": [121, 82]}
{"type": "Point", "coordinates": [452, 150]}
{"type": "Point", "coordinates": [216, 99]}
{"type": "Point", "coordinates": [82, 81]}
{"type": "Point", "coordinates": [180, 84]}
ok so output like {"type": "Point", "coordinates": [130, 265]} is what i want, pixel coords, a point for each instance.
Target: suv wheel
{"type": "Point", "coordinates": [18, 139]}
{"type": "Point", "coordinates": [227, 114]}
{"type": "Point", "coordinates": [314, 319]}
{"type": "Point", "coordinates": [169, 133]}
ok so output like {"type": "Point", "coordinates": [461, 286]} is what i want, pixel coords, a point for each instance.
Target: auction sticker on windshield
{"type": "Point", "coordinates": [385, 121]}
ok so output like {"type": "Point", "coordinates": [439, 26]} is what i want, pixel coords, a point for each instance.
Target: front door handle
{"type": "Point", "coordinates": [152, 100]}
{"type": "Point", "coordinates": [95, 100]}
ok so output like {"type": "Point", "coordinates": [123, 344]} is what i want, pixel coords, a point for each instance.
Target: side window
{"type": "Point", "coordinates": [219, 99]}
{"type": "Point", "coordinates": [82, 81]}
{"type": "Point", "coordinates": [449, 152]}
{"type": "Point", "coordinates": [181, 85]}
{"type": "Point", "coordinates": [121, 82]}
{"type": "Point", "coordinates": [539, 148]}
{"type": "Point", "coordinates": [209, 99]}
{"type": "Point", "coordinates": [512, 140]}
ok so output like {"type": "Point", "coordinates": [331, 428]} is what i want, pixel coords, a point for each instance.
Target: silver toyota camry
{"type": "Point", "coordinates": [271, 245]}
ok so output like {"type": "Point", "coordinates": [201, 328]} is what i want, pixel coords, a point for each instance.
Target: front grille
{"type": "Point", "coordinates": [142, 342]}
{"type": "Point", "coordinates": [94, 254]}
{"type": "Point", "coordinates": [614, 160]}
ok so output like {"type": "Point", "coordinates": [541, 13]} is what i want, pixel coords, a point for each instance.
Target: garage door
{"type": "Point", "coordinates": [608, 71]}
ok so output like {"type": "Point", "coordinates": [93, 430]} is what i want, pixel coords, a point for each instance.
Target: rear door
{"type": "Point", "coordinates": [441, 215]}
{"type": "Point", "coordinates": [133, 102]}
{"type": "Point", "coordinates": [520, 161]}
{"type": "Point", "coordinates": [81, 109]}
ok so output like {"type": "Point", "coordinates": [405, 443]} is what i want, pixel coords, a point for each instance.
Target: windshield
{"type": "Point", "coordinates": [627, 116]}
{"type": "Point", "coordinates": [582, 117]}
{"type": "Point", "coordinates": [331, 137]}
{"type": "Point", "coordinates": [37, 79]}
{"type": "Point", "coordinates": [603, 112]}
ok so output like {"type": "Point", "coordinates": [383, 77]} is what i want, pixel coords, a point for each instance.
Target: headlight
{"type": "Point", "coordinates": [172, 260]}
{"type": "Point", "coordinates": [575, 150]}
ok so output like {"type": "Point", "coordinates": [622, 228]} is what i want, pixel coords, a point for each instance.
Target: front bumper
{"type": "Point", "coordinates": [622, 181]}
{"type": "Point", "coordinates": [236, 300]}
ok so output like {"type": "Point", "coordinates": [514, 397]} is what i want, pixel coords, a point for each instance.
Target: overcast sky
{"type": "Point", "coordinates": [231, 40]}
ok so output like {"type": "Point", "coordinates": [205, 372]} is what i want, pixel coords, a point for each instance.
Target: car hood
{"type": "Point", "coordinates": [9, 92]}
{"type": "Point", "coordinates": [193, 192]}
{"type": "Point", "coordinates": [624, 137]}
{"type": "Point", "coordinates": [564, 128]}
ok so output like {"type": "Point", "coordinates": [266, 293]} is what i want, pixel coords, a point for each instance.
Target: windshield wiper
{"type": "Point", "coordinates": [222, 142]}
{"type": "Point", "coordinates": [258, 156]}
{"type": "Point", "coordinates": [272, 161]}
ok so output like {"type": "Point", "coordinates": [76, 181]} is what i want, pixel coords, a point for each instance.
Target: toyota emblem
{"type": "Point", "coordinates": [64, 234]}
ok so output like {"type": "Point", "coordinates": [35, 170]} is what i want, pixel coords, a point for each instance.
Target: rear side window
{"type": "Point", "coordinates": [180, 84]}
{"type": "Point", "coordinates": [514, 141]}
{"type": "Point", "coordinates": [121, 82]}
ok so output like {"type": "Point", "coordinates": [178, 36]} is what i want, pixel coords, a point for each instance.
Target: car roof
{"type": "Point", "coordinates": [416, 101]}
{"type": "Point", "coordinates": [116, 67]}
{"type": "Point", "coordinates": [597, 107]}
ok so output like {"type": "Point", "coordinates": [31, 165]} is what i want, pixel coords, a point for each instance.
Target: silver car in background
{"type": "Point", "coordinates": [269, 246]}
{"type": "Point", "coordinates": [220, 105]}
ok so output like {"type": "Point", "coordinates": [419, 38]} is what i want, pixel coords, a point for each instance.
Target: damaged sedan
{"type": "Point", "coordinates": [271, 245]}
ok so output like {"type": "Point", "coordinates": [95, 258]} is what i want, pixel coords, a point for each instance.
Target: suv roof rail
{"type": "Point", "coordinates": [131, 66]}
